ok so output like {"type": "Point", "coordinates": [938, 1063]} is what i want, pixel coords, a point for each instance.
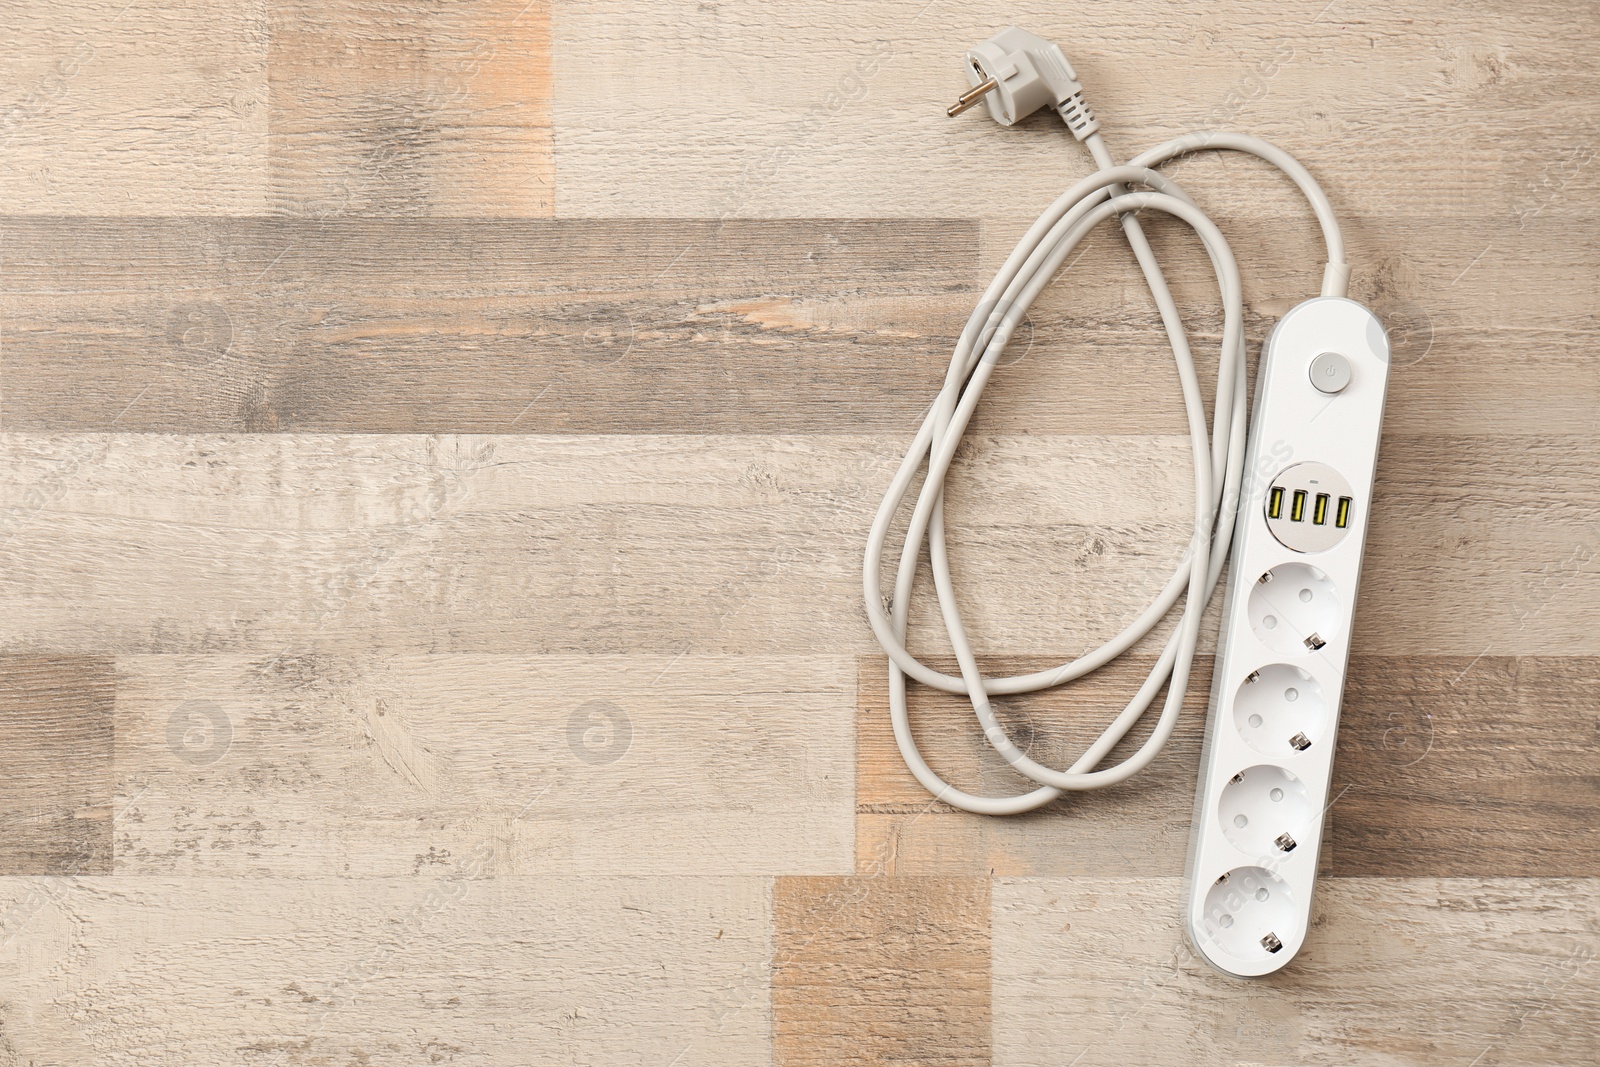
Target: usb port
{"type": "Point", "coordinates": [1341, 517]}
{"type": "Point", "coordinates": [1319, 510]}
{"type": "Point", "coordinates": [1275, 503]}
{"type": "Point", "coordinates": [1297, 510]}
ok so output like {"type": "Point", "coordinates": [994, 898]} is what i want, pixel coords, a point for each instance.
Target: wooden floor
{"type": "Point", "coordinates": [438, 440]}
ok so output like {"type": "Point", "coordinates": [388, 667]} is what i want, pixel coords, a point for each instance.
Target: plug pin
{"type": "Point", "coordinates": [970, 98]}
{"type": "Point", "coordinates": [1271, 942]}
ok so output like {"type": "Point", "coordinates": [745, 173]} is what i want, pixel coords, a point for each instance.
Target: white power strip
{"type": "Point", "coordinates": [1257, 828]}
{"type": "Point", "coordinates": [1275, 694]}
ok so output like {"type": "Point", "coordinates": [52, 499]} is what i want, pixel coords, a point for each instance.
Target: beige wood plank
{"type": "Point", "coordinates": [880, 970]}
{"type": "Point", "coordinates": [320, 766]}
{"type": "Point", "coordinates": [777, 112]}
{"type": "Point", "coordinates": [591, 544]}
{"type": "Point", "coordinates": [56, 736]}
{"type": "Point", "coordinates": [1396, 972]}
{"type": "Point", "coordinates": [716, 544]}
{"type": "Point", "coordinates": [393, 109]}
{"type": "Point", "coordinates": [454, 966]}
{"type": "Point", "coordinates": [118, 108]}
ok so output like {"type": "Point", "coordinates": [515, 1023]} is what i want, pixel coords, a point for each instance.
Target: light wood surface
{"type": "Point", "coordinates": [436, 444]}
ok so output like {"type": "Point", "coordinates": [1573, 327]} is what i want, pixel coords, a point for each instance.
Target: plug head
{"type": "Point", "coordinates": [1027, 72]}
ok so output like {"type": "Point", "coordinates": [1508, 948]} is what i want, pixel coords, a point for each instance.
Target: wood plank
{"type": "Point", "coordinates": [117, 108]}
{"type": "Point", "coordinates": [459, 965]}
{"type": "Point", "coordinates": [716, 544]}
{"type": "Point", "coordinates": [1456, 766]}
{"type": "Point", "coordinates": [880, 970]}
{"type": "Point", "coordinates": [746, 327]}
{"type": "Point", "coordinates": [1446, 766]}
{"type": "Point", "coordinates": [56, 737]}
{"type": "Point", "coordinates": [1396, 972]}
{"type": "Point", "coordinates": [1138, 828]}
{"type": "Point", "coordinates": [364, 767]}
{"type": "Point", "coordinates": [579, 544]}
{"type": "Point", "coordinates": [776, 112]}
{"type": "Point", "coordinates": [438, 110]}
{"type": "Point", "coordinates": [504, 326]}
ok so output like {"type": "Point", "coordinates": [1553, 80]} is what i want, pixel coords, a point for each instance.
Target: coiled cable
{"type": "Point", "coordinates": [1218, 455]}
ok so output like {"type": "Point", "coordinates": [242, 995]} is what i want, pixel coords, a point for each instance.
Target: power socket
{"type": "Point", "coordinates": [1267, 763]}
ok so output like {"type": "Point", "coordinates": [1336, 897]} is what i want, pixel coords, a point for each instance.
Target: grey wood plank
{"type": "Point", "coordinates": [1446, 766]}
{"type": "Point", "coordinates": [1461, 765]}
{"type": "Point", "coordinates": [371, 325]}
{"type": "Point", "coordinates": [56, 740]}
{"type": "Point", "coordinates": [484, 326]}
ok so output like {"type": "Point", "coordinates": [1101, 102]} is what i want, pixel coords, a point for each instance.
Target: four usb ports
{"type": "Point", "coordinates": [1319, 507]}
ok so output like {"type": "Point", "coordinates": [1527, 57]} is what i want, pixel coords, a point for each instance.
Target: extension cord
{"type": "Point", "coordinates": [1231, 923]}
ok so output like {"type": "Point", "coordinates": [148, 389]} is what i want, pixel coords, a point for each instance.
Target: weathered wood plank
{"type": "Point", "coordinates": [395, 109]}
{"type": "Point", "coordinates": [1396, 972]}
{"type": "Point", "coordinates": [117, 108]}
{"type": "Point", "coordinates": [371, 325]}
{"type": "Point", "coordinates": [450, 966]}
{"type": "Point", "coordinates": [581, 544]}
{"type": "Point", "coordinates": [1447, 765]}
{"type": "Point", "coordinates": [717, 544]}
{"type": "Point", "coordinates": [1140, 827]}
{"type": "Point", "coordinates": [1461, 765]}
{"type": "Point", "coordinates": [776, 112]}
{"type": "Point", "coordinates": [314, 766]}
{"type": "Point", "coordinates": [880, 970]}
{"type": "Point", "coordinates": [481, 326]}
{"type": "Point", "coordinates": [56, 737]}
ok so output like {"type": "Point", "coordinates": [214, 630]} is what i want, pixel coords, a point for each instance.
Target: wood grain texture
{"type": "Point", "coordinates": [116, 108]}
{"type": "Point", "coordinates": [371, 325]}
{"type": "Point", "coordinates": [877, 970]}
{"type": "Point", "coordinates": [1457, 766]}
{"type": "Point", "coordinates": [310, 765]}
{"type": "Point", "coordinates": [436, 442]}
{"type": "Point", "coordinates": [501, 327]}
{"type": "Point", "coordinates": [1396, 972]}
{"type": "Point", "coordinates": [845, 115]}
{"type": "Point", "coordinates": [56, 738]}
{"type": "Point", "coordinates": [389, 108]}
{"type": "Point", "coordinates": [1446, 766]}
{"type": "Point", "coordinates": [718, 544]}
{"type": "Point", "coordinates": [1138, 828]}
{"type": "Point", "coordinates": [457, 965]}
{"type": "Point", "coordinates": [593, 544]}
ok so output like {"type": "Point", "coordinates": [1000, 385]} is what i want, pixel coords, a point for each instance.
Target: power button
{"type": "Point", "coordinates": [1330, 372]}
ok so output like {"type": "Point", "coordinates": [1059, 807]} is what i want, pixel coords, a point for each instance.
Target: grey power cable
{"type": "Point", "coordinates": [1039, 75]}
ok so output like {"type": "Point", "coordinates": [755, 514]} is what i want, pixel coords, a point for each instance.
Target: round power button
{"type": "Point", "coordinates": [1330, 372]}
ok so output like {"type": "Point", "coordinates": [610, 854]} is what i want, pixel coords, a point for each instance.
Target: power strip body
{"type": "Point", "coordinates": [1267, 763]}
